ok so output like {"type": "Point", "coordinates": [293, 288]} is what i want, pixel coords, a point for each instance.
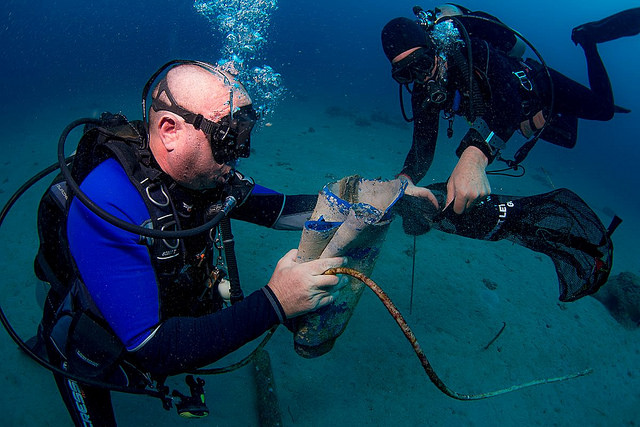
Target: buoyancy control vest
{"type": "Point", "coordinates": [187, 270]}
{"type": "Point", "coordinates": [537, 120]}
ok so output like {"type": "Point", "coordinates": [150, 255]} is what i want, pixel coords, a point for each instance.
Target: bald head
{"type": "Point", "coordinates": [201, 91]}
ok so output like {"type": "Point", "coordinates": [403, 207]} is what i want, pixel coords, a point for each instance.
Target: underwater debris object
{"type": "Point", "coordinates": [351, 219]}
{"type": "Point", "coordinates": [490, 284]}
{"type": "Point", "coordinates": [504, 325]}
{"type": "Point", "coordinates": [621, 297]}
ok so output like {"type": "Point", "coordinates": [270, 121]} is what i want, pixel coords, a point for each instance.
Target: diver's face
{"type": "Point", "coordinates": [193, 163]}
{"type": "Point", "coordinates": [215, 154]}
{"type": "Point", "coordinates": [413, 66]}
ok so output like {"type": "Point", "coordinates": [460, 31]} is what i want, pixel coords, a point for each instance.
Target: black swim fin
{"type": "Point", "coordinates": [621, 24]}
{"type": "Point", "coordinates": [619, 109]}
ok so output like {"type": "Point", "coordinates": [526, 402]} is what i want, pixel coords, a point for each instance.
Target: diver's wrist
{"type": "Point", "coordinates": [478, 147]}
{"type": "Point", "coordinates": [475, 155]}
{"type": "Point", "coordinates": [403, 175]}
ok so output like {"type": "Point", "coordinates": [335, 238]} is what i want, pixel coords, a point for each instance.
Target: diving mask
{"type": "Point", "coordinates": [231, 136]}
{"type": "Point", "coordinates": [416, 67]}
{"type": "Point", "coordinates": [420, 68]}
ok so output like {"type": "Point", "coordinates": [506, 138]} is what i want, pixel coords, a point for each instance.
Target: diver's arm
{"type": "Point", "coordinates": [468, 180]}
{"type": "Point", "coordinates": [420, 156]}
{"type": "Point", "coordinates": [276, 210]}
{"type": "Point", "coordinates": [425, 135]}
{"type": "Point", "coordinates": [185, 343]}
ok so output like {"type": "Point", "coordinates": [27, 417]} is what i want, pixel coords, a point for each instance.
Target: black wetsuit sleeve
{"type": "Point", "coordinates": [425, 135]}
{"type": "Point", "coordinates": [276, 210]}
{"type": "Point", "coordinates": [182, 344]}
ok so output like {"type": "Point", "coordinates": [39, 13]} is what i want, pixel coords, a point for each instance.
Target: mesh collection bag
{"type": "Point", "coordinates": [558, 224]}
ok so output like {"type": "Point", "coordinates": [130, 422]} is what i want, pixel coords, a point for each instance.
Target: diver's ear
{"type": "Point", "coordinates": [169, 129]}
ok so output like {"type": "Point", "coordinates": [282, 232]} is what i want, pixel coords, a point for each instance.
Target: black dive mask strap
{"type": "Point", "coordinates": [197, 120]}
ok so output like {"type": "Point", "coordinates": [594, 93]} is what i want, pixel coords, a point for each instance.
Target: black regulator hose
{"type": "Point", "coordinates": [467, 40]}
{"type": "Point", "coordinates": [3, 214]}
{"type": "Point", "coordinates": [236, 293]}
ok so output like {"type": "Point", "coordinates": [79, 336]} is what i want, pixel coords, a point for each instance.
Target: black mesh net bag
{"type": "Point", "coordinates": [558, 224]}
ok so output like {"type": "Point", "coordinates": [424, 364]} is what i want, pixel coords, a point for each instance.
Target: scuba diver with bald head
{"type": "Point", "coordinates": [136, 243]}
{"type": "Point", "coordinates": [469, 64]}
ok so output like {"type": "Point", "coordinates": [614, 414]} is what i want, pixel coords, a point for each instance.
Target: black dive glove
{"type": "Point", "coordinates": [417, 214]}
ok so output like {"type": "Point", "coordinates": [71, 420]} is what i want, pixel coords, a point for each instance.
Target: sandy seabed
{"type": "Point", "coordinates": [464, 292]}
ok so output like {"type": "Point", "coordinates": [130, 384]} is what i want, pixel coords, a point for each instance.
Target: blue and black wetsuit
{"type": "Point", "coordinates": [116, 269]}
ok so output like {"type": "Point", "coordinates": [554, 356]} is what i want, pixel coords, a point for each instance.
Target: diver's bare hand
{"type": "Point", "coordinates": [422, 192]}
{"type": "Point", "coordinates": [468, 181]}
{"type": "Point", "coordinates": [301, 288]}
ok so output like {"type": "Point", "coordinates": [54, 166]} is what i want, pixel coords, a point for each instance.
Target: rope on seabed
{"type": "Point", "coordinates": [395, 313]}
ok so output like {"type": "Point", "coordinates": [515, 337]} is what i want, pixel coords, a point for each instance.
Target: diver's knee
{"type": "Point", "coordinates": [604, 113]}
{"type": "Point", "coordinates": [607, 113]}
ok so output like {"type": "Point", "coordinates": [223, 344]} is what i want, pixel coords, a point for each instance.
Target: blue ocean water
{"type": "Point", "coordinates": [59, 52]}
{"type": "Point", "coordinates": [67, 59]}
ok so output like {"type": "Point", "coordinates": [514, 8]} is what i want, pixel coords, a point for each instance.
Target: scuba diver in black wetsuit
{"type": "Point", "coordinates": [469, 64]}
{"type": "Point", "coordinates": [128, 310]}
